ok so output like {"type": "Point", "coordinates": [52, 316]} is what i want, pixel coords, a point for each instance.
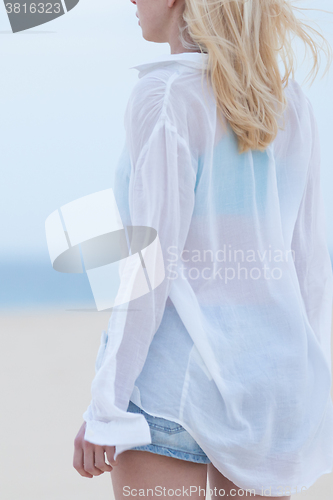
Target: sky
{"type": "Point", "coordinates": [64, 89]}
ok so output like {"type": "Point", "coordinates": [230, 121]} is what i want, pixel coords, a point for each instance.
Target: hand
{"type": "Point", "coordinates": [89, 459]}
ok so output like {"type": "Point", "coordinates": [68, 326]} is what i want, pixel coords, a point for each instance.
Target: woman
{"type": "Point", "coordinates": [223, 366]}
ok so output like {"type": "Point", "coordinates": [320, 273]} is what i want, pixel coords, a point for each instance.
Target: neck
{"type": "Point", "coordinates": [176, 47]}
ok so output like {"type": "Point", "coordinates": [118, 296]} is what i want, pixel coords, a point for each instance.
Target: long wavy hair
{"type": "Point", "coordinates": [243, 39]}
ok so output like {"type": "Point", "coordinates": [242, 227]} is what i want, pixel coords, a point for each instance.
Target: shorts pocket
{"type": "Point", "coordinates": [157, 423]}
{"type": "Point", "coordinates": [162, 425]}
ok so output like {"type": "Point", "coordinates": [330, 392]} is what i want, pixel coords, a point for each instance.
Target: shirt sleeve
{"type": "Point", "coordinates": [161, 196]}
{"type": "Point", "coordinates": [311, 255]}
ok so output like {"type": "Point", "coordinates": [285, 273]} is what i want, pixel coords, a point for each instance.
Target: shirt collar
{"type": "Point", "coordinates": [195, 60]}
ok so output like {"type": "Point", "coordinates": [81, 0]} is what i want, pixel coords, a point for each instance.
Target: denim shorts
{"type": "Point", "coordinates": [170, 439]}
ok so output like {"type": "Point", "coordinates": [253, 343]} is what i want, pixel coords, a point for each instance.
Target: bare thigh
{"type": "Point", "coordinates": [139, 469]}
{"type": "Point", "coordinates": [229, 489]}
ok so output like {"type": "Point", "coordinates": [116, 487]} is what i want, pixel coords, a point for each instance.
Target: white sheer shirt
{"type": "Point", "coordinates": [234, 344]}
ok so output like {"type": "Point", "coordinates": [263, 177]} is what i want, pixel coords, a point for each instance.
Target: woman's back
{"type": "Point", "coordinates": [243, 315]}
{"type": "Point", "coordinates": [234, 343]}
{"type": "Point", "coordinates": [245, 206]}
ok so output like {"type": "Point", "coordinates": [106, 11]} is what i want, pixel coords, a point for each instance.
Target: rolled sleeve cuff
{"type": "Point", "coordinates": [124, 433]}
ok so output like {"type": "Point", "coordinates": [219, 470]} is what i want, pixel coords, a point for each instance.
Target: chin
{"type": "Point", "coordinates": [148, 36]}
{"type": "Point", "coordinates": [152, 37]}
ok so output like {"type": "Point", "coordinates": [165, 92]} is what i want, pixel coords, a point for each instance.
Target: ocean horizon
{"type": "Point", "coordinates": [32, 283]}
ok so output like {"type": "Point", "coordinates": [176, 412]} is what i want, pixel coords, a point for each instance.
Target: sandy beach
{"type": "Point", "coordinates": [47, 363]}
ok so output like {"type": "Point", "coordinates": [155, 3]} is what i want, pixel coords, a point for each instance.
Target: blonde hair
{"type": "Point", "coordinates": [243, 39]}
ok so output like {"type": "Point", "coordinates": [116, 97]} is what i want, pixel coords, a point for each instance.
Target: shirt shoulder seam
{"type": "Point", "coordinates": [163, 120]}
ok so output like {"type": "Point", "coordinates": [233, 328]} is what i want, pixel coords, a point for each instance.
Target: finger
{"type": "Point", "coordinates": [110, 452]}
{"type": "Point", "coordinates": [89, 459]}
{"type": "Point", "coordinates": [100, 460]}
{"type": "Point", "coordinates": [78, 462]}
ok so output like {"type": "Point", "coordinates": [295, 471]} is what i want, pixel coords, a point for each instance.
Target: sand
{"type": "Point", "coordinates": [47, 362]}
